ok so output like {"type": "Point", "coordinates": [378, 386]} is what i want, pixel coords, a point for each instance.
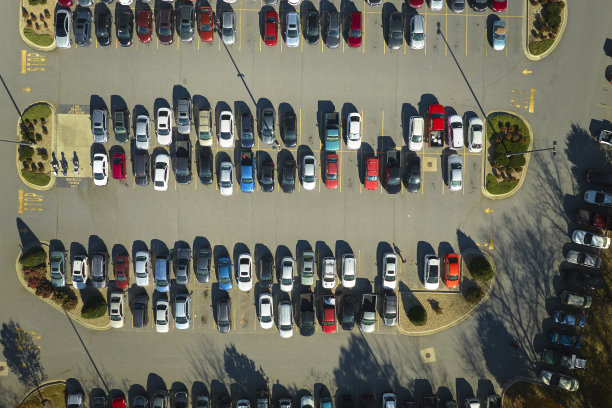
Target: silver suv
{"type": "Point", "coordinates": [266, 126]}
{"type": "Point", "coordinates": [183, 115]}
{"type": "Point", "coordinates": [99, 125]}
{"type": "Point", "coordinates": [228, 30]}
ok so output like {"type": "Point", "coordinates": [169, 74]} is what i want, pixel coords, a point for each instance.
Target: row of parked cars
{"type": "Point", "coordinates": [186, 19]}
{"type": "Point", "coordinates": [581, 279]}
{"type": "Point", "coordinates": [161, 398]}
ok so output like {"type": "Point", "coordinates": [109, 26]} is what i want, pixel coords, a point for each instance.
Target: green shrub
{"type": "Point", "coordinates": [37, 111]}
{"type": "Point", "coordinates": [43, 40]}
{"type": "Point", "coordinates": [540, 47]}
{"type": "Point", "coordinates": [501, 160]}
{"type": "Point", "coordinates": [481, 269]}
{"type": "Point", "coordinates": [94, 307]}
{"type": "Point", "coordinates": [474, 294]}
{"type": "Point", "coordinates": [38, 179]}
{"type": "Point", "coordinates": [65, 297]}
{"type": "Point", "coordinates": [70, 303]}
{"type": "Point", "coordinates": [553, 9]}
{"type": "Point", "coordinates": [517, 161]}
{"type": "Point", "coordinates": [25, 152]}
{"type": "Point", "coordinates": [499, 187]}
{"type": "Point", "coordinates": [553, 20]}
{"type": "Point", "coordinates": [33, 258]}
{"type": "Point", "coordinates": [417, 315]}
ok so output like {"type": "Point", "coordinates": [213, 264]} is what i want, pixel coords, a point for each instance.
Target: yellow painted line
{"type": "Point", "coordinates": [321, 44]}
{"type": "Point", "coordinates": [281, 37]}
{"type": "Point", "coordinates": [300, 135]}
{"type": "Point", "coordinates": [240, 27]}
{"type": "Point", "coordinates": [133, 183]}
{"type": "Point", "coordinates": [445, 34]}
{"type": "Point", "coordinates": [23, 61]}
{"type": "Point", "coordinates": [301, 45]}
{"type": "Point", "coordinates": [425, 33]}
{"type": "Point", "coordinates": [234, 319]}
{"type": "Point", "coordinates": [96, 41]}
{"type": "Point", "coordinates": [20, 198]}
{"type": "Point", "coordinates": [384, 47]}
{"type": "Point", "coordinates": [362, 32]}
{"type": "Point", "coordinates": [343, 46]}
{"type": "Point", "coordinates": [463, 172]}
{"type": "Point", "coordinates": [116, 42]}
{"type": "Point", "coordinates": [157, 43]}
{"type": "Point", "coordinates": [531, 98]}
{"type": "Point", "coordinates": [219, 43]}
{"type": "Point", "coordinates": [340, 170]}
{"type": "Point", "coordinates": [178, 42]}
{"type": "Point", "coordinates": [466, 32]}
{"type": "Point", "coordinates": [199, 41]}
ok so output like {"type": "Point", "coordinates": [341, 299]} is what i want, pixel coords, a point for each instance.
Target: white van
{"type": "Point", "coordinates": [285, 319]}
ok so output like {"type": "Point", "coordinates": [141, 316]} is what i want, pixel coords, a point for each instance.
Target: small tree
{"type": "Point", "coordinates": [94, 307]}
{"type": "Point", "coordinates": [481, 269]}
{"type": "Point", "coordinates": [474, 294]}
{"type": "Point", "coordinates": [417, 315]}
{"type": "Point", "coordinates": [24, 12]}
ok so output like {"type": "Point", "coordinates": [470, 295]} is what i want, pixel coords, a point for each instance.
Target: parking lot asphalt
{"type": "Point", "coordinates": [458, 68]}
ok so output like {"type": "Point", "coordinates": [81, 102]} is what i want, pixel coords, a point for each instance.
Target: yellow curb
{"type": "Point", "coordinates": [74, 317]}
{"type": "Point", "coordinates": [509, 194]}
{"type": "Point", "coordinates": [53, 144]}
{"type": "Point", "coordinates": [466, 314]}
{"type": "Point", "coordinates": [30, 43]}
{"type": "Point", "coordinates": [546, 53]}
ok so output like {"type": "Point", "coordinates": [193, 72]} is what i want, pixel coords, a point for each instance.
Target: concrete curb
{"type": "Point", "coordinates": [40, 387]}
{"type": "Point", "coordinates": [28, 42]}
{"type": "Point", "coordinates": [484, 164]}
{"type": "Point", "coordinates": [53, 144]}
{"type": "Point", "coordinates": [73, 316]}
{"type": "Point", "coordinates": [546, 53]}
{"type": "Point", "coordinates": [513, 381]}
{"type": "Point", "coordinates": [466, 314]}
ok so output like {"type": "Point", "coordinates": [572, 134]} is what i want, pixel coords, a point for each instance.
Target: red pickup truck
{"type": "Point", "coordinates": [435, 125]}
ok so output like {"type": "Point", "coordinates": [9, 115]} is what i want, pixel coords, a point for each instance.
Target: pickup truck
{"type": "Point", "coordinates": [121, 120]}
{"type": "Point", "coordinates": [393, 181]}
{"type": "Point", "coordinates": [605, 137]}
{"type": "Point", "coordinates": [307, 274]}
{"type": "Point", "coordinates": [435, 125]}
{"type": "Point", "coordinates": [183, 162]}
{"type": "Point", "coordinates": [332, 131]}
{"type": "Point", "coordinates": [307, 320]}
{"type": "Point", "coordinates": [204, 127]}
{"type": "Point", "coordinates": [247, 175]}
{"type": "Point", "coordinates": [588, 218]}
{"type": "Point", "coordinates": [368, 313]}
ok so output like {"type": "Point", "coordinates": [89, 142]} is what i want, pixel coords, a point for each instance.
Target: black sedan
{"type": "Point", "coordinates": [104, 21]}
{"type": "Point", "coordinates": [414, 175]}
{"type": "Point", "coordinates": [125, 27]}
{"type": "Point", "coordinates": [205, 166]}
{"type": "Point", "coordinates": [266, 175]}
{"type": "Point", "coordinates": [288, 176]}
{"type": "Point", "coordinates": [311, 28]}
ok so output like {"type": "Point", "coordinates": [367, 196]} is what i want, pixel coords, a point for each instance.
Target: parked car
{"type": "Point", "coordinates": [247, 137]}
{"type": "Point", "coordinates": [161, 173]}
{"type": "Point", "coordinates": [559, 380]}
{"type": "Point", "coordinates": [103, 21]}
{"type": "Point", "coordinates": [99, 270]}
{"type": "Point", "coordinates": [499, 35]}
{"type": "Point", "coordinates": [165, 24]}
{"type": "Point", "coordinates": [309, 172]}
{"type": "Point", "coordinates": [140, 316]}
{"type": "Point", "coordinates": [593, 240]}
{"type": "Point", "coordinates": [186, 21]}
{"type": "Point", "coordinates": [354, 29]}
{"type": "Point", "coordinates": [573, 319]}
{"type": "Point", "coordinates": [82, 27]}
{"type": "Point", "coordinates": [576, 299]}
{"type": "Point", "coordinates": [162, 273]}
{"type": "Point", "coordinates": [349, 312]}
{"type": "Point", "coordinates": [228, 28]}
{"type": "Point", "coordinates": [57, 266]}
{"type": "Point", "coordinates": [436, 5]}
{"type": "Point", "coordinates": [226, 178]}
{"type": "Point", "coordinates": [455, 131]}
{"type": "Point", "coordinates": [480, 5]}
{"type": "Point", "coordinates": [600, 198]}
{"type": "Point", "coordinates": [121, 266]}
{"type": "Point", "coordinates": [224, 313]}
{"type": "Point", "coordinates": [245, 272]}
{"type": "Point", "coordinates": [118, 166]}
{"type": "Point", "coordinates": [311, 28]}
{"type": "Point", "coordinates": [417, 31]}
{"type": "Point", "coordinates": [389, 311]}
{"type": "Point", "coordinates": [329, 272]}
{"type": "Point", "coordinates": [583, 280]}
{"type": "Point", "coordinates": [565, 339]}
{"type": "Point", "coordinates": [290, 129]}
{"type": "Point", "coordinates": [80, 271]}
{"type": "Point", "coordinates": [288, 176]}
{"type": "Point", "coordinates": [205, 164]}
{"type": "Point", "coordinates": [286, 277]}
{"type": "Point", "coordinates": [115, 310]}
{"type": "Point", "coordinates": [292, 29]}
{"type": "Point", "coordinates": [414, 174]}
{"type": "Point", "coordinates": [562, 359]}
{"type": "Point", "coordinates": [144, 25]}
{"type": "Point", "coordinates": [142, 132]}
{"type": "Point", "coordinates": [458, 6]}
{"type": "Point", "coordinates": [499, 5]}
{"type": "Point", "coordinates": [181, 265]}
{"type": "Point", "coordinates": [452, 274]}
{"type": "Point", "coordinates": [349, 270]}
{"type": "Point", "coordinates": [353, 130]}
{"type": "Point", "coordinates": [162, 316]}
{"type": "Point", "coordinates": [331, 170]}
{"type": "Point", "coordinates": [63, 26]}
{"type": "Point", "coordinates": [202, 264]}
{"type": "Point", "coordinates": [225, 273]}
{"type": "Point", "coordinates": [182, 311]}
{"type": "Point", "coordinates": [267, 125]}
{"type": "Point", "coordinates": [271, 28]}
{"type": "Point", "coordinates": [99, 125]}
{"type": "Point", "coordinates": [141, 167]}
{"type": "Point", "coordinates": [307, 272]}
{"type": "Point", "coordinates": [204, 127]}
{"type": "Point", "coordinates": [332, 29]}
{"type": "Point", "coordinates": [266, 313]}
{"type": "Point", "coordinates": [389, 278]}
{"type": "Point", "coordinates": [416, 4]}
{"type": "Point", "coordinates": [285, 319]}
{"type": "Point", "coordinates": [396, 30]}
{"type": "Point", "coordinates": [125, 27]}
{"type": "Point", "coordinates": [266, 271]}
{"type": "Point", "coordinates": [100, 169]}
{"type": "Point", "coordinates": [164, 122]}
{"type": "Point", "coordinates": [226, 129]}
{"type": "Point", "coordinates": [431, 272]}
{"type": "Point", "coordinates": [205, 26]}
{"type": "Point", "coordinates": [416, 128]}
{"type": "Point", "coordinates": [74, 400]}
{"type": "Point", "coordinates": [475, 135]}
{"type": "Point", "coordinates": [583, 259]}
{"type": "Point", "coordinates": [329, 314]}
{"type": "Point", "coordinates": [599, 177]}
{"type": "Point", "coordinates": [183, 115]}
{"type": "Point", "coordinates": [266, 175]}
{"type": "Point", "coordinates": [371, 173]}
{"type": "Point", "coordinates": [455, 172]}
{"type": "Point", "coordinates": [142, 268]}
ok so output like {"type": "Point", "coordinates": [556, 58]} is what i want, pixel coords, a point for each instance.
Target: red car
{"type": "Point", "coordinates": [144, 18]}
{"type": "Point", "coordinates": [451, 270]}
{"type": "Point", "coordinates": [415, 4]}
{"type": "Point", "coordinates": [118, 166]}
{"type": "Point", "coordinates": [371, 176]}
{"type": "Point", "coordinates": [118, 402]}
{"type": "Point", "coordinates": [206, 24]}
{"type": "Point", "coordinates": [331, 171]}
{"type": "Point", "coordinates": [329, 314]}
{"type": "Point", "coordinates": [354, 35]}
{"type": "Point", "coordinates": [65, 3]}
{"type": "Point", "coordinates": [122, 272]}
{"type": "Point", "coordinates": [271, 30]}
{"type": "Point", "coordinates": [499, 5]}
{"type": "Point", "coordinates": [165, 25]}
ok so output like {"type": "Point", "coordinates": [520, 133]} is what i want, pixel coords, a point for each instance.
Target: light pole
{"type": "Point", "coordinates": [553, 148]}
{"type": "Point", "coordinates": [19, 143]}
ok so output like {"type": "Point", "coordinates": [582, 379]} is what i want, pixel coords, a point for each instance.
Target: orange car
{"type": "Point", "coordinates": [451, 270]}
{"type": "Point", "coordinates": [206, 24]}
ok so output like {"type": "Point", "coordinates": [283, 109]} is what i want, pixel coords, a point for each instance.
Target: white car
{"type": "Point", "coordinates": [455, 132]}
{"type": "Point", "coordinates": [80, 271]}
{"type": "Point", "coordinates": [583, 259]}
{"type": "Point", "coordinates": [226, 129]}
{"type": "Point", "coordinates": [353, 126]}
{"type": "Point", "coordinates": [226, 178]}
{"type": "Point", "coordinates": [125, 2]}
{"type": "Point", "coordinates": [182, 311]}
{"type": "Point", "coordinates": [475, 135]}
{"type": "Point", "coordinates": [292, 31]}
{"type": "Point", "coordinates": [389, 400]}
{"type": "Point", "coordinates": [389, 280]}
{"type": "Point", "coordinates": [286, 279]}
{"type": "Point", "coordinates": [309, 172]}
{"type": "Point", "coordinates": [63, 25]}
{"type": "Point", "coordinates": [143, 140]}
{"type": "Point", "coordinates": [436, 5]}
{"type": "Point", "coordinates": [245, 272]}
{"type": "Point", "coordinates": [266, 313]}
{"type": "Point", "coordinates": [164, 126]}
{"type": "Point", "coordinates": [100, 169]}
{"type": "Point", "coordinates": [349, 268]}
{"type": "Point", "coordinates": [598, 198]}
{"type": "Point", "coordinates": [142, 268]}
{"type": "Point", "coordinates": [593, 240]}
{"type": "Point", "coordinates": [455, 172]}
{"type": "Point", "coordinates": [416, 129]}
{"type": "Point", "coordinates": [329, 273]}
{"type": "Point", "coordinates": [431, 272]}
{"type": "Point", "coordinates": [417, 32]}
{"type": "Point", "coordinates": [162, 316]}
{"type": "Point", "coordinates": [161, 172]}
{"type": "Point", "coordinates": [559, 380]}
{"type": "Point", "coordinates": [115, 311]}
{"type": "Point", "coordinates": [294, 2]}
{"type": "Point", "coordinates": [243, 403]}
{"type": "Point", "coordinates": [307, 402]}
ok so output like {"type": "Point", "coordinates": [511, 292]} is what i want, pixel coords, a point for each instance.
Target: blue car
{"type": "Point", "coordinates": [247, 173]}
{"type": "Point", "coordinates": [225, 273]}
{"type": "Point", "coordinates": [162, 274]}
{"type": "Point", "coordinates": [565, 339]}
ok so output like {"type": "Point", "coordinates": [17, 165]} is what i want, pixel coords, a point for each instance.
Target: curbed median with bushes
{"type": "Point", "coordinates": [35, 129]}
{"type": "Point", "coordinates": [545, 22]}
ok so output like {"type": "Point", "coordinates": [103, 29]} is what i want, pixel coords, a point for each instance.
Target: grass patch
{"type": "Point", "coordinates": [499, 187]}
{"type": "Point", "coordinates": [540, 47]}
{"type": "Point", "coordinates": [55, 393]}
{"type": "Point", "coordinates": [524, 394]}
{"type": "Point", "coordinates": [38, 179]}
{"type": "Point", "coordinates": [37, 111]}
{"type": "Point", "coordinates": [43, 40]}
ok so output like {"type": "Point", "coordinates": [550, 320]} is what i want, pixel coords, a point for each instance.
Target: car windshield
{"type": "Point", "coordinates": [396, 35]}
{"type": "Point", "coordinates": [123, 32]}
{"type": "Point", "coordinates": [499, 36]}
{"type": "Point", "coordinates": [367, 321]}
{"type": "Point", "coordinates": [355, 33]}
{"type": "Point", "coordinates": [292, 33]}
{"type": "Point", "coordinates": [394, 181]}
{"type": "Point", "coordinates": [181, 319]}
{"type": "Point", "coordinates": [477, 128]}
{"type": "Point", "coordinates": [433, 274]}
{"type": "Point", "coordinates": [224, 279]}
{"type": "Point", "coordinates": [417, 36]}
{"type": "Point", "coordinates": [390, 315]}
{"type": "Point", "coordinates": [371, 178]}
{"type": "Point", "coordinates": [99, 176]}
{"type": "Point", "coordinates": [183, 120]}
{"type": "Point", "coordinates": [164, 30]}
{"type": "Point", "coordinates": [143, 29]}
{"type": "Point", "coordinates": [97, 130]}
{"type": "Point", "coordinates": [349, 277]}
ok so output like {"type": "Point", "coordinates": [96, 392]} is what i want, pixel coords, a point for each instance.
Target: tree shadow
{"type": "Point", "coordinates": [26, 236]}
